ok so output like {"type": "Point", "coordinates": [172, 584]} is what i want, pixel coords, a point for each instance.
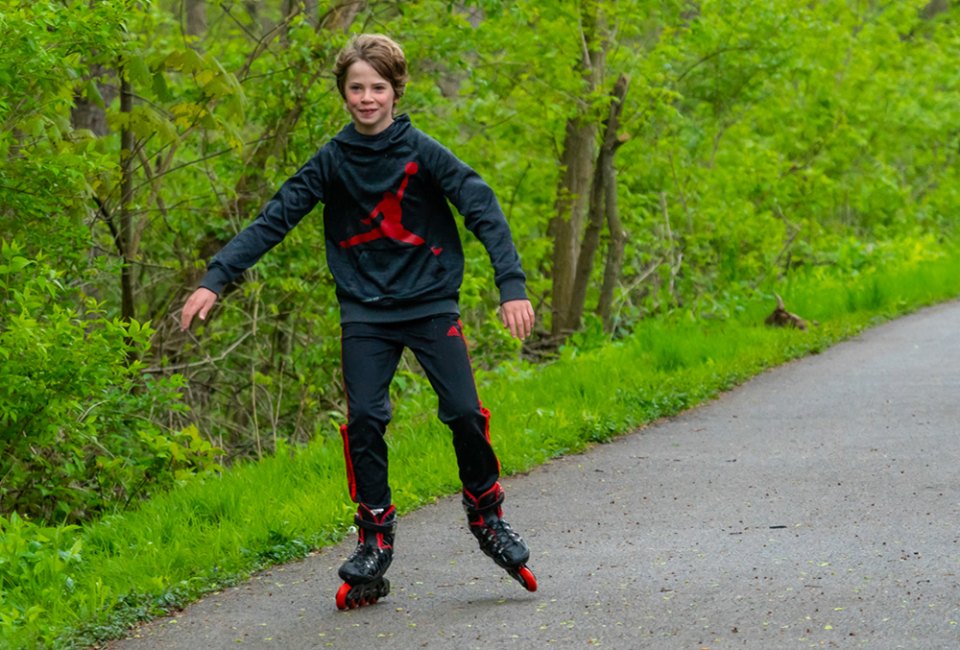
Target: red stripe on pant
{"type": "Point", "coordinates": [486, 433]}
{"type": "Point", "coordinates": [351, 477]}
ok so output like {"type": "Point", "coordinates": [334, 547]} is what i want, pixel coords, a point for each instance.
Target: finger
{"type": "Point", "coordinates": [516, 327]}
{"type": "Point", "coordinates": [186, 317]}
{"type": "Point", "coordinates": [525, 321]}
{"type": "Point", "coordinates": [530, 318]}
{"type": "Point", "coordinates": [519, 326]}
{"type": "Point", "coordinates": [520, 331]}
{"type": "Point", "coordinates": [527, 326]}
{"type": "Point", "coordinates": [509, 319]}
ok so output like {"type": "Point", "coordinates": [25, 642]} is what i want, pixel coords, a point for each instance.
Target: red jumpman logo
{"type": "Point", "coordinates": [390, 226]}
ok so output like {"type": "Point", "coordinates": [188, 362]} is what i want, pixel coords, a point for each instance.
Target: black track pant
{"type": "Point", "coordinates": [370, 354]}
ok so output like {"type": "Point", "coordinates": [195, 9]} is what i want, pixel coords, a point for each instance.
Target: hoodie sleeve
{"type": "Point", "coordinates": [482, 215]}
{"type": "Point", "coordinates": [298, 195]}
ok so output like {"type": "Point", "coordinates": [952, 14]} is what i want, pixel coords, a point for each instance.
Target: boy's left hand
{"type": "Point", "coordinates": [518, 317]}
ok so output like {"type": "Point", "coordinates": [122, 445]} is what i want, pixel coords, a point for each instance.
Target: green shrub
{"type": "Point", "coordinates": [35, 570]}
{"type": "Point", "coordinates": [77, 436]}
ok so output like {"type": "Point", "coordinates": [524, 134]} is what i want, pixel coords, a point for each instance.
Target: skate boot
{"type": "Point", "coordinates": [362, 573]}
{"type": "Point", "coordinates": [495, 536]}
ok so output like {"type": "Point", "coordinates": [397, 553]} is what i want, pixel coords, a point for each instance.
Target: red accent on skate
{"type": "Point", "coordinates": [381, 542]}
{"type": "Point", "coordinates": [354, 596]}
{"type": "Point", "coordinates": [527, 579]}
{"type": "Point", "coordinates": [342, 596]}
{"type": "Point", "coordinates": [495, 488]}
{"type": "Point", "coordinates": [436, 250]}
{"type": "Point", "coordinates": [476, 500]}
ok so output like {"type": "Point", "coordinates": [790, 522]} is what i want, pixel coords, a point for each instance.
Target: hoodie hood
{"type": "Point", "coordinates": [349, 137]}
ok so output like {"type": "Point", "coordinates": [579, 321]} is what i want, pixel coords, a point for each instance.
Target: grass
{"type": "Point", "coordinates": [80, 586]}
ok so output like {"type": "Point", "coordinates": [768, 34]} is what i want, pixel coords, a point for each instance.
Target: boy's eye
{"type": "Point", "coordinates": [377, 89]}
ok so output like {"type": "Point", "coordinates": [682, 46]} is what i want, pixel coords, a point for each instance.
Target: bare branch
{"type": "Point", "coordinates": [198, 364]}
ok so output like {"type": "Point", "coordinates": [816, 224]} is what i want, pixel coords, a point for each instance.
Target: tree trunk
{"type": "Point", "coordinates": [195, 17]}
{"type": "Point", "coordinates": [309, 9]}
{"type": "Point", "coordinates": [127, 254]}
{"type": "Point", "coordinates": [934, 8]}
{"type": "Point", "coordinates": [571, 207]}
{"type": "Point", "coordinates": [618, 240]}
{"type": "Point", "coordinates": [573, 190]}
{"type": "Point", "coordinates": [588, 250]}
{"type": "Point", "coordinates": [603, 180]}
{"type": "Point", "coordinates": [252, 9]}
{"type": "Point", "coordinates": [92, 114]}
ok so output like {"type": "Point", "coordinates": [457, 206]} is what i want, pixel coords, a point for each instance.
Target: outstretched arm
{"type": "Point", "coordinates": [482, 215]}
{"type": "Point", "coordinates": [298, 195]}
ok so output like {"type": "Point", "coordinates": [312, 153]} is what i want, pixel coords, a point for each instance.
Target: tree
{"type": "Point", "coordinates": [603, 209]}
{"type": "Point", "coordinates": [764, 137]}
{"type": "Point", "coordinates": [576, 163]}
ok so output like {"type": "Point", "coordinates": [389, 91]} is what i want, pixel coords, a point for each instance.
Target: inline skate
{"type": "Point", "coordinates": [362, 573]}
{"type": "Point", "coordinates": [496, 538]}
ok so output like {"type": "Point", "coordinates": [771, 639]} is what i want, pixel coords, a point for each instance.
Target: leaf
{"type": "Point", "coordinates": [137, 71]}
{"type": "Point", "coordinates": [186, 60]}
{"type": "Point", "coordinates": [92, 93]}
{"type": "Point", "coordinates": [160, 88]}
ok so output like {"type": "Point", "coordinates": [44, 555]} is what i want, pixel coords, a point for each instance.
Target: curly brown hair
{"type": "Point", "coordinates": [381, 53]}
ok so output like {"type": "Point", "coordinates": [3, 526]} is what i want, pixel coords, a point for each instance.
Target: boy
{"type": "Point", "coordinates": [393, 249]}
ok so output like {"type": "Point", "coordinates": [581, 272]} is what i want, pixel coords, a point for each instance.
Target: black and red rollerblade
{"type": "Point", "coordinates": [496, 538]}
{"type": "Point", "coordinates": [362, 573]}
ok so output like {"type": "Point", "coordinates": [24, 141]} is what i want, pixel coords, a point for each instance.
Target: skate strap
{"type": "Point", "coordinates": [492, 499]}
{"type": "Point", "coordinates": [389, 526]}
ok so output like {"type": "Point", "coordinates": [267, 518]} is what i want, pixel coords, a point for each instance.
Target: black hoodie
{"type": "Point", "coordinates": [391, 240]}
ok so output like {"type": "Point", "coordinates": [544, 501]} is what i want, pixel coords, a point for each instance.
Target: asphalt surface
{"type": "Point", "coordinates": [815, 506]}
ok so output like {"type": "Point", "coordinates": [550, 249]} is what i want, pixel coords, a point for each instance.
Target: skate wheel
{"type": "Point", "coordinates": [527, 579]}
{"type": "Point", "coordinates": [342, 596]}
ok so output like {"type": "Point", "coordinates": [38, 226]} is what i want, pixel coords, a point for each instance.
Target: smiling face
{"type": "Point", "coordinates": [369, 98]}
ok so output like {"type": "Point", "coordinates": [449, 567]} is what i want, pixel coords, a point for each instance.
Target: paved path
{"type": "Point", "coordinates": [815, 506]}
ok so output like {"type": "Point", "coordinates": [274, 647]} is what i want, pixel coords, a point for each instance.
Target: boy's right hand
{"type": "Point", "coordinates": [200, 302]}
{"type": "Point", "coordinates": [518, 317]}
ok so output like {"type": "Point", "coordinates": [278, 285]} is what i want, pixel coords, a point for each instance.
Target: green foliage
{"type": "Point", "coordinates": [75, 427]}
{"type": "Point", "coordinates": [37, 569]}
{"type": "Point", "coordinates": [46, 166]}
{"type": "Point", "coordinates": [801, 148]}
{"type": "Point", "coordinates": [73, 588]}
{"type": "Point", "coordinates": [763, 136]}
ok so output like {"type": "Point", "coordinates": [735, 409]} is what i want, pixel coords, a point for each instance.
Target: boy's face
{"type": "Point", "coordinates": [369, 98]}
